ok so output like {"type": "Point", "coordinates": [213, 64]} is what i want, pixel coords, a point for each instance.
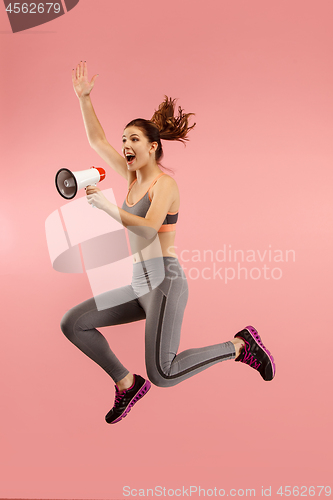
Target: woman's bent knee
{"type": "Point", "coordinates": [160, 379]}
{"type": "Point", "coordinates": [67, 324]}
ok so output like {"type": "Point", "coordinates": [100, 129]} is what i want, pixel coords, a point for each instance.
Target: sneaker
{"type": "Point", "coordinates": [255, 353]}
{"type": "Point", "coordinates": [125, 400]}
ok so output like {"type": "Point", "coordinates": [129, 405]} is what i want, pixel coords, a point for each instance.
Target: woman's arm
{"type": "Point", "coordinates": [147, 227]}
{"type": "Point", "coordinates": [94, 130]}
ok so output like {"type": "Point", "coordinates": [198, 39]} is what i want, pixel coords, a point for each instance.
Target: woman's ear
{"type": "Point", "coordinates": [153, 147]}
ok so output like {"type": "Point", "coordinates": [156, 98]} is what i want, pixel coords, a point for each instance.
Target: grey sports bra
{"type": "Point", "coordinates": [141, 208]}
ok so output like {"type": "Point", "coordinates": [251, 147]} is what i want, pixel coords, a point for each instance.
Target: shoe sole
{"type": "Point", "coordinates": [141, 392]}
{"type": "Point", "coordinates": [256, 337]}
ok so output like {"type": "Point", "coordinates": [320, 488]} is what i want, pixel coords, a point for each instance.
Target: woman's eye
{"type": "Point", "coordinates": [135, 139]}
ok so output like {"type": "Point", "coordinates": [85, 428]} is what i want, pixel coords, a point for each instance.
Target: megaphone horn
{"type": "Point", "coordinates": [68, 183]}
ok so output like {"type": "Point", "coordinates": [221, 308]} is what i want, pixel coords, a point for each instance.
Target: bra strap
{"type": "Point", "coordinates": [152, 184]}
{"type": "Point", "coordinates": [155, 180]}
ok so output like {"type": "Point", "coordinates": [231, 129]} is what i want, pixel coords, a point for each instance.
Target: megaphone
{"type": "Point", "coordinates": [68, 183]}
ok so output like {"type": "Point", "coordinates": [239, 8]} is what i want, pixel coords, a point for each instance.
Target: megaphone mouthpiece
{"type": "Point", "coordinates": [69, 182]}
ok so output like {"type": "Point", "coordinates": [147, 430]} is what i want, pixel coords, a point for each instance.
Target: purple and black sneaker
{"type": "Point", "coordinates": [255, 353]}
{"type": "Point", "coordinates": [125, 400]}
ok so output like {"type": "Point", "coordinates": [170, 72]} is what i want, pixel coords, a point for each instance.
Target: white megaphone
{"type": "Point", "coordinates": [68, 183]}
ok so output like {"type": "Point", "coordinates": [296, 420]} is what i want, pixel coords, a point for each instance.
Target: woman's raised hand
{"type": "Point", "coordinates": [81, 84]}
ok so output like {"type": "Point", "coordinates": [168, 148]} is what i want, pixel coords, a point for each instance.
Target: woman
{"type": "Point", "coordinates": [159, 291]}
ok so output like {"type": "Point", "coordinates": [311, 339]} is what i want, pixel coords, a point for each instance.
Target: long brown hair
{"type": "Point", "coordinates": [165, 125]}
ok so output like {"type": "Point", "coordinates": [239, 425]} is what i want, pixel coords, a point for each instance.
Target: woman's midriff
{"type": "Point", "coordinates": [162, 246]}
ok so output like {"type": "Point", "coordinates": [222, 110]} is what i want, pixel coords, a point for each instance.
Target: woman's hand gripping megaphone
{"type": "Point", "coordinates": [95, 197]}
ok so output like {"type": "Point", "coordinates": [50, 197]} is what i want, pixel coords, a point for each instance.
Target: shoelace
{"type": "Point", "coordinates": [249, 359]}
{"type": "Point", "coordinates": [119, 396]}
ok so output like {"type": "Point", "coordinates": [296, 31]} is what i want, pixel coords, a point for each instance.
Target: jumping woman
{"type": "Point", "coordinates": [158, 292]}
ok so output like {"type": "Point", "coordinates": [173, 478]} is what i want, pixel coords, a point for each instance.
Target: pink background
{"type": "Point", "coordinates": [256, 172]}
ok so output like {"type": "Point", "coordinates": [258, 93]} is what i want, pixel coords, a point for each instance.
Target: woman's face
{"type": "Point", "coordinates": [137, 150]}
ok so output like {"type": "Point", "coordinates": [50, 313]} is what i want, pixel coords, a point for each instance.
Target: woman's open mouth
{"type": "Point", "coordinates": [130, 158]}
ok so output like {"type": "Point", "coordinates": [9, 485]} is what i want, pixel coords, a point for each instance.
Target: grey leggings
{"type": "Point", "coordinates": [162, 307]}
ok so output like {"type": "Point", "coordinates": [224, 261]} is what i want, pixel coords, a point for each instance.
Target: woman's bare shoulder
{"type": "Point", "coordinates": [168, 181]}
{"type": "Point", "coordinates": [166, 184]}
